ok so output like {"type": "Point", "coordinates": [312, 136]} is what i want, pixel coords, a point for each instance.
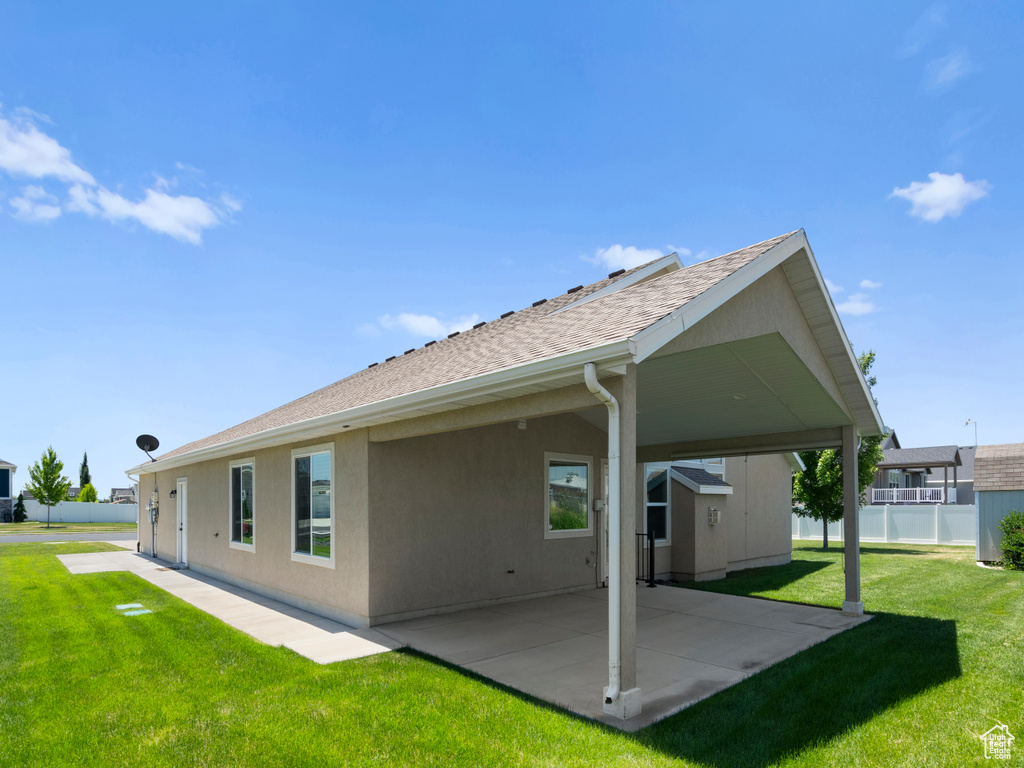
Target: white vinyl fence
{"type": "Point", "coordinates": [82, 512]}
{"type": "Point", "coordinates": [904, 523]}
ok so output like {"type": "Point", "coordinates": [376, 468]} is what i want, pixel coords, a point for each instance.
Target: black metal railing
{"type": "Point", "coordinates": [645, 558]}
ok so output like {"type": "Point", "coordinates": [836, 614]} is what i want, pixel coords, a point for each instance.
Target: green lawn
{"type": "Point", "coordinates": [18, 529]}
{"type": "Point", "coordinates": [81, 684]}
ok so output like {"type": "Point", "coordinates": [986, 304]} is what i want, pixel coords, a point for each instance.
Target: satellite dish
{"type": "Point", "coordinates": [147, 443]}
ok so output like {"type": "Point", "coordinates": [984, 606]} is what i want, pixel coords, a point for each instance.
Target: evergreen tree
{"type": "Point", "coordinates": [46, 483]}
{"type": "Point", "coordinates": [819, 488]}
{"type": "Point", "coordinates": [84, 478]}
{"type": "Point", "coordinates": [20, 513]}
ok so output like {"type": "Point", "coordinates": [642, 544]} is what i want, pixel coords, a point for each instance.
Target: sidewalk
{"type": "Point", "coordinates": [269, 621]}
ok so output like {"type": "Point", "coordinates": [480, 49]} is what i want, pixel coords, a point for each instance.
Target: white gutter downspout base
{"type": "Point", "coordinates": [618, 703]}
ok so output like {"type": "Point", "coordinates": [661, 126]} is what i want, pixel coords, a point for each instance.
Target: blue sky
{"type": "Point", "coordinates": [206, 212]}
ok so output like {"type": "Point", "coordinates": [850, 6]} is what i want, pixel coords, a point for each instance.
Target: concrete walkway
{"type": "Point", "coordinates": [690, 644]}
{"type": "Point", "coordinates": [269, 621]}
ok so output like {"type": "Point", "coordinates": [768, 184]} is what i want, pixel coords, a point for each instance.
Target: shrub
{"type": "Point", "coordinates": [88, 493]}
{"type": "Point", "coordinates": [20, 513]}
{"type": "Point", "coordinates": [1012, 527]}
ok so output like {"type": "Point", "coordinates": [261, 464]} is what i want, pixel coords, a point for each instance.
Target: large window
{"type": "Point", "coordinates": [5, 483]}
{"type": "Point", "coordinates": [312, 505]}
{"type": "Point", "coordinates": [568, 495]}
{"type": "Point", "coordinates": [243, 504]}
{"type": "Point", "coordinates": [657, 501]}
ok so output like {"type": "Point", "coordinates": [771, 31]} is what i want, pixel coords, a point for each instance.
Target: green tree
{"type": "Point", "coordinates": [46, 483]}
{"type": "Point", "coordinates": [84, 478]}
{"type": "Point", "coordinates": [88, 493]}
{"type": "Point", "coordinates": [818, 490]}
{"type": "Point", "coordinates": [20, 513]}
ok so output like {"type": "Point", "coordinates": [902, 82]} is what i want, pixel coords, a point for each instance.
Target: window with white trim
{"type": "Point", "coordinates": [243, 503]}
{"type": "Point", "coordinates": [568, 495]}
{"type": "Point", "coordinates": [894, 478]}
{"type": "Point", "coordinates": [657, 515]}
{"type": "Point", "coordinates": [313, 505]}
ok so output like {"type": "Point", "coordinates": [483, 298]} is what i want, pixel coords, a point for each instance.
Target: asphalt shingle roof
{"type": "Point", "coordinates": [701, 476]}
{"type": "Point", "coordinates": [999, 467]}
{"type": "Point", "coordinates": [920, 457]}
{"type": "Point", "coordinates": [530, 335]}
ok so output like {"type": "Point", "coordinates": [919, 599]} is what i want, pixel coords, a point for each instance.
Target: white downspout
{"type": "Point", "coordinates": [614, 534]}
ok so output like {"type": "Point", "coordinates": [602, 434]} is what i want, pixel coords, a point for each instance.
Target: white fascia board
{"type": "Point", "coordinates": [865, 391]}
{"type": "Point", "coordinates": [609, 358]}
{"type": "Point", "coordinates": [712, 490]}
{"type": "Point", "coordinates": [672, 260]}
{"type": "Point", "coordinates": [655, 336]}
{"type": "Point", "coordinates": [794, 462]}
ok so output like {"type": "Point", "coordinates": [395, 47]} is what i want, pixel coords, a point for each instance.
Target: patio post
{"type": "Point", "coordinates": [627, 703]}
{"type": "Point", "coordinates": [851, 528]}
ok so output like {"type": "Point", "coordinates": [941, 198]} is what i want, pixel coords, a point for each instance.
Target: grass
{"type": "Point", "coordinates": [18, 529]}
{"type": "Point", "coordinates": [81, 684]}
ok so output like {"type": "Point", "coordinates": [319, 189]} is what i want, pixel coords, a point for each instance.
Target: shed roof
{"type": "Point", "coordinates": [999, 467]}
{"type": "Point", "coordinates": [919, 458]}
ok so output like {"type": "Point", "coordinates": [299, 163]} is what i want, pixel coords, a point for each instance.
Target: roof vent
{"type": "Point", "coordinates": [480, 325]}
{"type": "Point", "coordinates": [508, 314]}
{"type": "Point", "coordinates": [429, 344]}
{"type": "Point", "coordinates": [388, 360]}
{"type": "Point", "coordinates": [616, 273]}
{"type": "Point", "coordinates": [577, 288]}
{"type": "Point", "coordinates": [538, 303]}
{"type": "Point", "coordinates": [372, 364]}
{"type": "Point", "coordinates": [409, 350]}
{"type": "Point", "coordinates": [453, 335]}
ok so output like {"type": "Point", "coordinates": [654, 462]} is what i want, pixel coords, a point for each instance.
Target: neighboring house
{"type": "Point", "coordinates": [124, 495]}
{"type": "Point", "coordinates": [428, 482]}
{"type": "Point", "coordinates": [917, 475]}
{"type": "Point", "coordinates": [961, 491]}
{"type": "Point", "coordinates": [7, 494]}
{"type": "Point", "coordinates": [999, 487]}
{"type": "Point", "coordinates": [73, 492]}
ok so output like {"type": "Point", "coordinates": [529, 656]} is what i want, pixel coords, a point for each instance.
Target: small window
{"type": "Point", "coordinates": [657, 502]}
{"type": "Point", "coordinates": [567, 500]}
{"type": "Point", "coordinates": [5, 483]}
{"type": "Point", "coordinates": [312, 505]}
{"type": "Point", "coordinates": [894, 478]}
{"type": "Point", "coordinates": [243, 504]}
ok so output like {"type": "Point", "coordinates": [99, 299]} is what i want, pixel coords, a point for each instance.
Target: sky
{"type": "Point", "coordinates": [210, 209]}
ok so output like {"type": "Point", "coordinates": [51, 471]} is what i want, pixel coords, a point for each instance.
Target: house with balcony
{"type": "Point", "coordinates": [917, 475]}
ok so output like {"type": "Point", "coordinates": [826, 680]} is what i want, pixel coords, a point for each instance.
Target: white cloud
{"type": "Point", "coordinates": [857, 304]}
{"type": "Point", "coordinates": [948, 69]}
{"type": "Point", "coordinates": [26, 151]}
{"type": "Point", "coordinates": [870, 284]}
{"type": "Point", "coordinates": [832, 287]}
{"type": "Point", "coordinates": [35, 204]}
{"type": "Point", "coordinates": [923, 30]}
{"type": "Point", "coordinates": [624, 257]}
{"type": "Point", "coordinates": [945, 195]}
{"type": "Point", "coordinates": [427, 325]}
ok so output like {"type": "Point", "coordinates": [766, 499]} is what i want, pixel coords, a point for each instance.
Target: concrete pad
{"type": "Point", "coordinates": [690, 645]}
{"type": "Point", "coordinates": [315, 637]}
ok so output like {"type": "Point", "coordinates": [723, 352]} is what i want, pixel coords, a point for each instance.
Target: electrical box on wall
{"type": "Point", "coordinates": [714, 516]}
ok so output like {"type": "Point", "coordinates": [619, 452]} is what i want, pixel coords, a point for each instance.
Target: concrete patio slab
{"type": "Point", "coordinates": [269, 621]}
{"type": "Point", "coordinates": [690, 644]}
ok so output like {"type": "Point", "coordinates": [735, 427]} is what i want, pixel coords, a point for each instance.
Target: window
{"type": "Point", "coordinates": [5, 483]}
{"type": "Point", "coordinates": [313, 505]}
{"type": "Point", "coordinates": [243, 504]}
{"type": "Point", "coordinates": [567, 500]}
{"type": "Point", "coordinates": [657, 501]}
{"type": "Point", "coordinates": [894, 478]}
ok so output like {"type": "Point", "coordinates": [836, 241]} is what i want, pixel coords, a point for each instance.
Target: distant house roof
{"type": "Point", "coordinates": [920, 458]}
{"type": "Point", "coordinates": [965, 472]}
{"type": "Point", "coordinates": [701, 481]}
{"type": "Point", "coordinates": [7, 464]}
{"type": "Point", "coordinates": [999, 467]}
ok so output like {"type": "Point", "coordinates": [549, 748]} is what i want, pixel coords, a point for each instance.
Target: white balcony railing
{"type": "Point", "coordinates": [907, 496]}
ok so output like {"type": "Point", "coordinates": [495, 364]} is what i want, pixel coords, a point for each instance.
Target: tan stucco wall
{"type": "Point", "coordinates": [767, 306]}
{"type": "Point", "coordinates": [340, 592]}
{"type": "Point", "coordinates": [700, 550]}
{"type": "Point", "coordinates": [759, 517]}
{"type": "Point", "coordinates": [454, 512]}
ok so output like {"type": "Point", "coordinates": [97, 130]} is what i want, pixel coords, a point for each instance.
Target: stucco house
{"type": "Point", "coordinates": [434, 481]}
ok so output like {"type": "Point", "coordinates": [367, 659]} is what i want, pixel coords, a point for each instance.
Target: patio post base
{"type": "Point", "coordinates": [853, 609]}
{"type": "Point", "coordinates": [625, 706]}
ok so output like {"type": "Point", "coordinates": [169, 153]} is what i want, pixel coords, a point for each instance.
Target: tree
{"type": "Point", "coordinates": [84, 478]}
{"type": "Point", "coordinates": [818, 490]}
{"type": "Point", "coordinates": [46, 483]}
{"type": "Point", "coordinates": [88, 493]}
{"type": "Point", "coordinates": [20, 513]}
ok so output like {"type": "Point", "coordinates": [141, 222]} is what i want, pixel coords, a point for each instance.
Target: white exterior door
{"type": "Point", "coordinates": [182, 505]}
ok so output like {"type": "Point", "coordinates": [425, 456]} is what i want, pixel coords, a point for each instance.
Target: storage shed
{"type": "Point", "coordinates": [998, 488]}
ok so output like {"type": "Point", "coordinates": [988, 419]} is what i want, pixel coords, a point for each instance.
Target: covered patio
{"type": "Point", "coordinates": [689, 644]}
